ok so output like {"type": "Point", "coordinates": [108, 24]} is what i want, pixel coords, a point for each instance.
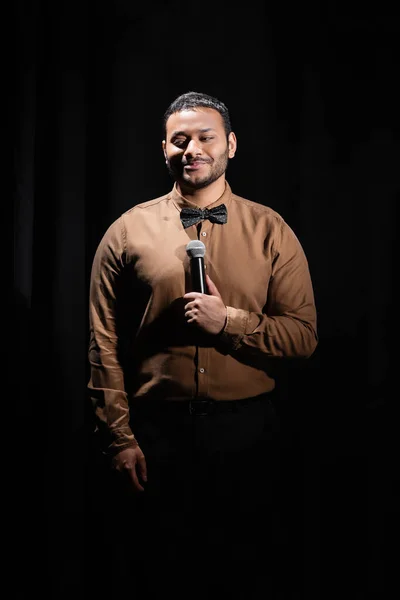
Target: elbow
{"type": "Point", "coordinates": [304, 343]}
{"type": "Point", "coordinates": [310, 343]}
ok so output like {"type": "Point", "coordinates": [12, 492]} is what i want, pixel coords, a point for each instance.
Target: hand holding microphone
{"type": "Point", "coordinates": [205, 307]}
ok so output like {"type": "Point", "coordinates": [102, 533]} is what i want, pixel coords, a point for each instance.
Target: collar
{"type": "Point", "coordinates": [180, 201]}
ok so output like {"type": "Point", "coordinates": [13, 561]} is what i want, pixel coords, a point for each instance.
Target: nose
{"type": "Point", "coordinates": [193, 149]}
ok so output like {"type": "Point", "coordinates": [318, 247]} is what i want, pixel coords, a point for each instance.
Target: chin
{"type": "Point", "coordinates": [198, 185]}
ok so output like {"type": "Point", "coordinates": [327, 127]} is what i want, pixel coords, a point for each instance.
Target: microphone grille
{"type": "Point", "coordinates": [195, 249]}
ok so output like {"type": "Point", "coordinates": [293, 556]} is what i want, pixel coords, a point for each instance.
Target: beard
{"type": "Point", "coordinates": [197, 182]}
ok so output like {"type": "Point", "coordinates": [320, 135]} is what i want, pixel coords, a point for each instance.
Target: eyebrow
{"type": "Point", "coordinates": [205, 130]}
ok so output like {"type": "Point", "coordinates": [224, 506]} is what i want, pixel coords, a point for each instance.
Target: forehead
{"type": "Point", "coordinates": [191, 121]}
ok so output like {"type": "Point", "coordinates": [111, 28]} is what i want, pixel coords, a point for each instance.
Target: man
{"type": "Point", "coordinates": [182, 382]}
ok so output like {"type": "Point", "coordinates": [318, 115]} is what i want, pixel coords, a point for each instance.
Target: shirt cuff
{"type": "Point", "coordinates": [121, 439]}
{"type": "Point", "coordinates": [235, 327]}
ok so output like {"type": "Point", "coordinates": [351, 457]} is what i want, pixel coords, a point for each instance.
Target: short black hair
{"type": "Point", "coordinates": [193, 100]}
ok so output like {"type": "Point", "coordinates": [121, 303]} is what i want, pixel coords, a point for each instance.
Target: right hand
{"type": "Point", "coordinates": [131, 463]}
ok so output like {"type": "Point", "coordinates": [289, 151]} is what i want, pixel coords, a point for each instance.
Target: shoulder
{"type": "Point", "coordinates": [252, 208]}
{"type": "Point", "coordinates": [148, 205]}
{"type": "Point", "coordinates": [146, 209]}
{"type": "Point", "coordinates": [264, 220]}
{"type": "Point", "coordinates": [132, 219]}
{"type": "Point", "coordinates": [149, 211]}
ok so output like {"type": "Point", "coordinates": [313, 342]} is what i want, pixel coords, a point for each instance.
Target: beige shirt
{"type": "Point", "coordinates": [141, 346]}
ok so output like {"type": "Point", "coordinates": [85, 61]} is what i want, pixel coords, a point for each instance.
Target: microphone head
{"type": "Point", "coordinates": [195, 249]}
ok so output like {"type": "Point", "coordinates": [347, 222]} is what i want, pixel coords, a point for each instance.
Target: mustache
{"type": "Point", "coordinates": [196, 160]}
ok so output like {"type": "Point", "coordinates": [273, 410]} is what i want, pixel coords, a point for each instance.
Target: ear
{"type": "Point", "coordinates": [164, 150]}
{"type": "Point", "coordinates": [232, 144]}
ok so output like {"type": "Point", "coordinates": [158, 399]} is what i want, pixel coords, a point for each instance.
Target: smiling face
{"type": "Point", "coordinates": [196, 148]}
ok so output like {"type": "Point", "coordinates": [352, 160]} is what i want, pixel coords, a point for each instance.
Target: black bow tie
{"type": "Point", "coordinates": [191, 216]}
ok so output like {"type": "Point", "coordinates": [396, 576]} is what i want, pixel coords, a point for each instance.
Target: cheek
{"type": "Point", "coordinates": [220, 158]}
{"type": "Point", "coordinates": [174, 157]}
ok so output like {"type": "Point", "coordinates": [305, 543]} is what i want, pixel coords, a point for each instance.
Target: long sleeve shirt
{"type": "Point", "coordinates": [140, 344]}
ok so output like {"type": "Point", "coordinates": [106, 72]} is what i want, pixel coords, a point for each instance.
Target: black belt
{"type": "Point", "coordinates": [201, 406]}
{"type": "Point", "coordinates": [206, 407]}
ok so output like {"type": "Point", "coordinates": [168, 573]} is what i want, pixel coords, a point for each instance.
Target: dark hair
{"type": "Point", "coordinates": [193, 100]}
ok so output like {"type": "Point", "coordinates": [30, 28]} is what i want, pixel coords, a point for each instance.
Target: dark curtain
{"type": "Point", "coordinates": [312, 92]}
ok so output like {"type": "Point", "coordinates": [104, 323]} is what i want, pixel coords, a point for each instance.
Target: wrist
{"type": "Point", "coordinates": [225, 319]}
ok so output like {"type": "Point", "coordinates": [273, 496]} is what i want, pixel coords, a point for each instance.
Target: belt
{"type": "Point", "coordinates": [202, 406]}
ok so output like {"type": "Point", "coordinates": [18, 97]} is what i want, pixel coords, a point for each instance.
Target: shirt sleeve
{"type": "Point", "coordinates": [106, 386]}
{"type": "Point", "coordinates": [287, 326]}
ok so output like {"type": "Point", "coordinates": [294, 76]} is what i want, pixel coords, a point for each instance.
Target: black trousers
{"type": "Point", "coordinates": [210, 514]}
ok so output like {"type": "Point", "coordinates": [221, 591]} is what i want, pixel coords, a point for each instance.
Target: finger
{"type": "Point", "coordinates": [196, 304]}
{"type": "Point", "coordinates": [212, 288]}
{"type": "Point", "coordinates": [193, 295]}
{"type": "Point", "coordinates": [142, 468]}
{"type": "Point", "coordinates": [135, 480]}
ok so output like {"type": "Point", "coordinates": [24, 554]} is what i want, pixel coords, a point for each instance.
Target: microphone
{"type": "Point", "coordinates": [196, 250]}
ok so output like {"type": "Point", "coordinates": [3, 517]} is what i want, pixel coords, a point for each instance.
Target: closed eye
{"type": "Point", "coordinates": [179, 142]}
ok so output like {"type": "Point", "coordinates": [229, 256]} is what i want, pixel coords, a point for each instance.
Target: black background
{"type": "Point", "coordinates": [312, 92]}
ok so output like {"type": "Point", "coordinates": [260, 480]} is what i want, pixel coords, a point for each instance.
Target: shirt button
{"type": "Point", "coordinates": [203, 233]}
{"type": "Point", "coordinates": [201, 370]}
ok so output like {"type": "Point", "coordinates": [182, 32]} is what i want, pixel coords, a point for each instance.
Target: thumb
{"type": "Point", "coordinates": [212, 288]}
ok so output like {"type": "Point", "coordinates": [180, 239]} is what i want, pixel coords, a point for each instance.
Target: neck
{"type": "Point", "coordinates": [205, 196]}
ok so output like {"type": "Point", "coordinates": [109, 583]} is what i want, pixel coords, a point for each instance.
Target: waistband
{"type": "Point", "coordinates": [200, 406]}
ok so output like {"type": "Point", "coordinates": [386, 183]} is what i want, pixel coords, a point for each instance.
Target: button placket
{"type": "Point", "coordinates": [203, 381]}
{"type": "Point", "coordinates": [204, 229]}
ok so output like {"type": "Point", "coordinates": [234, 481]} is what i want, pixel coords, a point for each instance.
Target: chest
{"type": "Point", "coordinates": [238, 262]}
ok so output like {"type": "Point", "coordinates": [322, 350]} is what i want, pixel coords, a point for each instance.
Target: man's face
{"type": "Point", "coordinates": [196, 149]}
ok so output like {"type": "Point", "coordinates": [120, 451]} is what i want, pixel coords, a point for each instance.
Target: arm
{"type": "Point", "coordinates": [287, 327]}
{"type": "Point", "coordinates": [107, 383]}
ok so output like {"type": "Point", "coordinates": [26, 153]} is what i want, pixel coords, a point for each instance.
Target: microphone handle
{"type": "Point", "coordinates": [198, 275]}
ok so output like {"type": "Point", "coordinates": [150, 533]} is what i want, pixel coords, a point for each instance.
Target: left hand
{"type": "Point", "coordinates": [207, 311]}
